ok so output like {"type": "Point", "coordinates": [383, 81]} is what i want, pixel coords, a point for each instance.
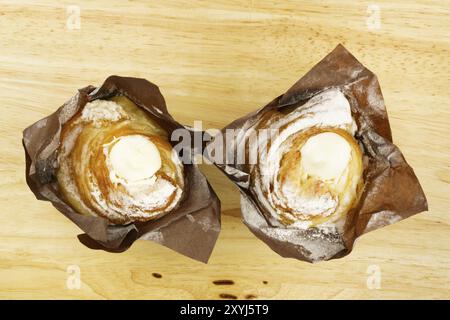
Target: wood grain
{"type": "Point", "coordinates": [216, 61]}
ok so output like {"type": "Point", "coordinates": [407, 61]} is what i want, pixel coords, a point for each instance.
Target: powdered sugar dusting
{"type": "Point", "coordinates": [323, 205]}
{"type": "Point", "coordinates": [315, 244]}
{"type": "Point", "coordinates": [102, 110]}
{"type": "Point", "coordinates": [382, 219]}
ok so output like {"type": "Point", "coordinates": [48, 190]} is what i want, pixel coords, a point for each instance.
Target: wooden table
{"type": "Point", "coordinates": [217, 61]}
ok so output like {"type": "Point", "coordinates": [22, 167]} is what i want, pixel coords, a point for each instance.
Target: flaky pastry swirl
{"type": "Point", "coordinates": [294, 181]}
{"type": "Point", "coordinates": [97, 174]}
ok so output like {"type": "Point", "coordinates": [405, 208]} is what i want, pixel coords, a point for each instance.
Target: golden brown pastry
{"type": "Point", "coordinates": [117, 163]}
{"type": "Point", "coordinates": [309, 170]}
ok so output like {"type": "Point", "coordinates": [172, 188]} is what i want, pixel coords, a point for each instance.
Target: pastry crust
{"type": "Point", "coordinates": [289, 195]}
{"type": "Point", "coordinates": [86, 178]}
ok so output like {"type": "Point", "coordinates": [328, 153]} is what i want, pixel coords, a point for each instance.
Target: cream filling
{"type": "Point", "coordinates": [132, 160]}
{"type": "Point", "coordinates": [325, 156]}
{"type": "Point", "coordinates": [327, 109]}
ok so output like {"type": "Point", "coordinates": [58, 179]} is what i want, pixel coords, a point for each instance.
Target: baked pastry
{"type": "Point", "coordinates": [316, 166]}
{"type": "Point", "coordinates": [309, 168]}
{"type": "Point", "coordinates": [116, 162]}
{"type": "Point", "coordinates": [109, 161]}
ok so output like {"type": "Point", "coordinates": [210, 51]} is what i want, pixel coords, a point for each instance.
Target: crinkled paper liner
{"type": "Point", "coordinates": [391, 190]}
{"type": "Point", "coordinates": [191, 229]}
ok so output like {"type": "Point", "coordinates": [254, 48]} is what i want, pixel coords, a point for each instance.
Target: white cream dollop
{"type": "Point", "coordinates": [134, 158]}
{"type": "Point", "coordinates": [325, 156]}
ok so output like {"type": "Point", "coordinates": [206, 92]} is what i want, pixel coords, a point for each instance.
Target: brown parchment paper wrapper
{"type": "Point", "coordinates": [391, 190]}
{"type": "Point", "coordinates": [191, 229]}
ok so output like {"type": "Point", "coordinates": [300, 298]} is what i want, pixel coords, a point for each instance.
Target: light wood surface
{"type": "Point", "coordinates": [216, 61]}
